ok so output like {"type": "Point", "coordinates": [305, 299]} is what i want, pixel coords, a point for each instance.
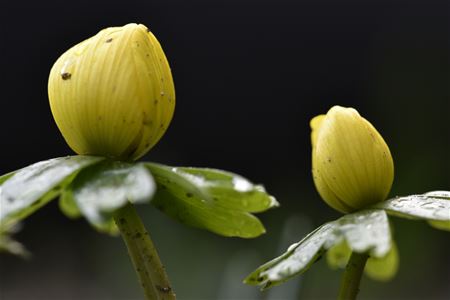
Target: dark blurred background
{"type": "Point", "coordinates": [249, 76]}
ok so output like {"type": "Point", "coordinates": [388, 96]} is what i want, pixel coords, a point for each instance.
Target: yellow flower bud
{"type": "Point", "coordinates": [113, 94]}
{"type": "Point", "coordinates": [351, 164]}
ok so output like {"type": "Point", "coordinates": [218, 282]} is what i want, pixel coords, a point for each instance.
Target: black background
{"type": "Point", "coordinates": [249, 75]}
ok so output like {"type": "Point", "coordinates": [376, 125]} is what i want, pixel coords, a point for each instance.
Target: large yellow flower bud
{"type": "Point", "coordinates": [351, 164]}
{"type": "Point", "coordinates": [113, 94]}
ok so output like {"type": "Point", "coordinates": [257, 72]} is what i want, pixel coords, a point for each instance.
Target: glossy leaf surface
{"type": "Point", "coordinates": [5, 177]}
{"type": "Point", "coordinates": [210, 199]}
{"type": "Point", "coordinates": [432, 206]}
{"type": "Point", "coordinates": [101, 189]}
{"type": "Point", "coordinates": [364, 231]}
{"type": "Point", "coordinates": [33, 186]}
{"type": "Point", "coordinates": [442, 225]}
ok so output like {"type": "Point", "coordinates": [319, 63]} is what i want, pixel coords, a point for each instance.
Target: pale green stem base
{"type": "Point", "coordinates": [352, 276]}
{"type": "Point", "coordinates": [150, 271]}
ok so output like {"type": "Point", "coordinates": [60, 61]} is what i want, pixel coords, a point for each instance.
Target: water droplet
{"type": "Point", "coordinates": [241, 185]}
{"type": "Point", "coordinates": [292, 247]}
{"type": "Point", "coordinates": [397, 204]}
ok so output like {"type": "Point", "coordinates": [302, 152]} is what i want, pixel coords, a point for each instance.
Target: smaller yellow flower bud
{"type": "Point", "coordinates": [351, 164]}
{"type": "Point", "coordinates": [113, 94]}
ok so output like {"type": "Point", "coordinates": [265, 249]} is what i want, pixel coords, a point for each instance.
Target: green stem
{"type": "Point", "coordinates": [352, 276]}
{"type": "Point", "coordinates": [149, 269]}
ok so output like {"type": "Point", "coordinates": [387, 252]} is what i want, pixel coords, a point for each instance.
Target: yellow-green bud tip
{"type": "Point", "coordinates": [113, 94]}
{"type": "Point", "coordinates": [351, 164]}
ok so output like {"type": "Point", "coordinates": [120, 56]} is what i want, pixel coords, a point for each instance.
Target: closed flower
{"type": "Point", "coordinates": [351, 164]}
{"type": "Point", "coordinates": [113, 94]}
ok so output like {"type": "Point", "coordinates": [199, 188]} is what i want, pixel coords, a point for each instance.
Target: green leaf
{"type": "Point", "coordinates": [432, 206]}
{"type": "Point", "coordinates": [210, 199]}
{"type": "Point", "coordinates": [7, 244]}
{"type": "Point", "coordinates": [5, 177]}
{"type": "Point", "coordinates": [32, 187]}
{"type": "Point", "coordinates": [338, 255]}
{"type": "Point", "coordinates": [68, 205]}
{"type": "Point", "coordinates": [296, 260]}
{"type": "Point", "coordinates": [381, 269]}
{"type": "Point", "coordinates": [384, 268]}
{"type": "Point", "coordinates": [11, 246]}
{"type": "Point", "coordinates": [367, 231]}
{"type": "Point", "coordinates": [100, 190]}
{"type": "Point", "coordinates": [439, 194]}
{"type": "Point", "coordinates": [442, 225]}
{"type": "Point", "coordinates": [231, 191]}
{"type": "Point", "coordinates": [364, 231]}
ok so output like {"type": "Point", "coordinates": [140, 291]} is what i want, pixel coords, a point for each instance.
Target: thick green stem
{"type": "Point", "coordinates": [352, 276]}
{"type": "Point", "coordinates": [150, 271]}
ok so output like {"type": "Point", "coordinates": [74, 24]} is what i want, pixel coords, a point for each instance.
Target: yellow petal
{"type": "Point", "coordinates": [315, 125]}
{"type": "Point", "coordinates": [113, 94]}
{"type": "Point", "coordinates": [325, 192]}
